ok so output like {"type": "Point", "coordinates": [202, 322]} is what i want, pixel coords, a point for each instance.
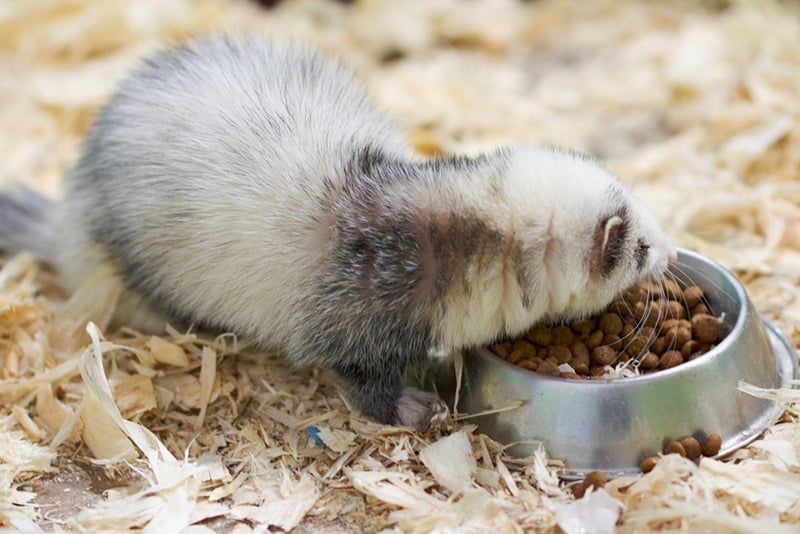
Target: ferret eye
{"type": "Point", "coordinates": [640, 255]}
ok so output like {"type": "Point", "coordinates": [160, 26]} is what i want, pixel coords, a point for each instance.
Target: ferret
{"type": "Point", "coordinates": [245, 186]}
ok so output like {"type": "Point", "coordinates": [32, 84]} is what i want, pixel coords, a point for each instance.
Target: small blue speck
{"type": "Point", "coordinates": [313, 433]}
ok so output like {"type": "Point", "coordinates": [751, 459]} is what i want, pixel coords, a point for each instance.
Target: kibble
{"type": "Point", "coordinates": [649, 361]}
{"type": "Point", "coordinates": [687, 447]}
{"type": "Point", "coordinates": [692, 295]}
{"type": "Point", "coordinates": [562, 336]}
{"type": "Point", "coordinates": [603, 355]}
{"type": "Point", "coordinates": [561, 353]}
{"type": "Point", "coordinates": [675, 447]}
{"type": "Point", "coordinates": [611, 323]}
{"type": "Point", "coordinates": [670, 359]}
{"type": "Point", "coordinates": [652, 329]}
{"type": "Point", "coordinates": [712, 445]}
{"type": "Point", "coordinates": [705, 328]}
{"type": "Point", "coordinates": [541, 335]}
{"type": "Point", "coordinates": [548, 367]}
{"type": "Point", "coordinates": [692, 447]}
{"type": "Point", "coordinates": [648, 464]}
{"type": "Point", "coordinates": [594, 479]}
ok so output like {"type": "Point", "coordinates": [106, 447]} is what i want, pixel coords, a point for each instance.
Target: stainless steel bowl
{"type": "Point", "coordinates": [612, 425]}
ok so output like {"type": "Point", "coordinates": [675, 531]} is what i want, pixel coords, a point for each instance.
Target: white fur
{"type": "Point", "coordinates": [260, 198]}
{"type": "Point", "coordinates": [211, 166]}
{"type": "Point", "coordinates": [553, 202]}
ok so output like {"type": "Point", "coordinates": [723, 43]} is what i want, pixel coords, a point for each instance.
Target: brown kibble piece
{"type": "Point", "coordinates": [649, 361]}
{"type": "Point", "coordinates": [612, 340]}
{"type": "Point", "coordinates": [595, 479]}
{"type": "Point", "coordinates": [712, 445]}
{"type": "Point", "coordinates": [580, 353]}
{"type": "Point", "coordinates": [560, 353]}
{"type": "Point", "coordinates": [693, 295]}
{"type": "Point", "coordinates": [649, 333]}
{"type": "Point", "coordinates": [705, 328]}
{"type": "Point", "coordinates": [524, 345]}
{"type": "Point", "coordinates": [562, 336]}
{"type": "Point", "coordinates": [573, 376]}
{"type": "Point", "coordinates": [637, 345]}
{"type": "Point", "coordinates": [603, 355]}
{"type": "Point", "coordinates": [582, 368]}
{"type": "Point", "coordinates": [648, 464]}
{"type": "Point", "coordinates": [585, 327]}
{"type": "Point", "coordinates": [531, 364]}
{"type": "Point", "coordinates": [627, 330]}
{"type": "Point", "coordinates": [659, 346]}
{"type": "Point", "coordinates": [611, 323]}
{"type": "Point", "coordinates": [541, 335]}
{"type": "Point", "coordinates": [594, 339]}
{"type": "Point", "coordinates": [675, 310]}
{"type": "Point", "coordinates": [689, 348]}
{"type": "Point", "coordinates": [652, 313]}
{"type": "Point", "coordinates": [502, 349]}
{"type": "Point", "coordinates": [639, 310]}
{"type": "Point", "coordinates": [672, 289]}
{"type": "Point", "coordinates": [671, 358]}
{"type": "Point", "coordinates": [700, 309]}
{"type": "Point", "coordinates": [675, 447]}
{"type": "Point", "coordinates": [579, 490]}
{"type": "Point", "coordinates": [549, 367]}
{"type": "Point", "coordinates": [676, 337]}
{"type": "Point", "coordinates": [635, 294]}
{"type": "Point", "coordinates": [621, 308]}
{"type": "Point", "coordinates": [517, 356]}
{"type": "Point", "coordinates": [521, 350]}
{"type": "Point", "coordinates": [692, 447]}
{"type": "Point", "coordinates": [596, 370]}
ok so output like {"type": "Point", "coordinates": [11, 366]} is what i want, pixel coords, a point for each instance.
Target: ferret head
{"type": "Point", "coordinates": [596, 239]}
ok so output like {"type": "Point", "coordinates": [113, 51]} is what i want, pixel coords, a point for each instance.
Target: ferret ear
{"type": "Point", "coordinates": [609, 242]}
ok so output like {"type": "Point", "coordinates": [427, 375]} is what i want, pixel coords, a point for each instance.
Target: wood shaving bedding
{"type": "Point", "coordinates": [695, 106]}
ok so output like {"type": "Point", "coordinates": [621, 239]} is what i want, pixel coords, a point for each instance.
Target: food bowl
{"type": "Point", "coordinates": [612, 425]}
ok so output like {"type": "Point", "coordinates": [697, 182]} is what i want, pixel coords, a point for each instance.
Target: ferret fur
{"type": "Point", "coordinates": [249, 187]}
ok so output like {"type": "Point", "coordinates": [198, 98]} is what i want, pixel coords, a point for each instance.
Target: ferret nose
{"type": "Point", "coordinates": [672, 258]}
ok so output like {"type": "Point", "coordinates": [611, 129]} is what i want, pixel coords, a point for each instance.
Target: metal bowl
{"type": "Point", "coordinates": [612, 425]}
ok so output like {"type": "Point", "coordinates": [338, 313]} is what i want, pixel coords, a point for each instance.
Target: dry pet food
{"type": "Point", "coordinates": [595, 479]}
{"type": "Point", "coordinates": [688, 447]}
{"type": "Point", "coordinates": [651, 327]}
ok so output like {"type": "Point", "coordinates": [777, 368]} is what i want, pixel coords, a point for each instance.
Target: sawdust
{"type": "Point", "coordinates": [695, 106]}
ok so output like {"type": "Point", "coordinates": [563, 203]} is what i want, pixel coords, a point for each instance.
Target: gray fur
{"type": "Point", "coordinates": [26, 223]}
{"type": "Point", "coordinates": [250, 187]}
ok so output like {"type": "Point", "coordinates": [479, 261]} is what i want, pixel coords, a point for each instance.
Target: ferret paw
{"type": "Point", "coordinates": [415, 406]}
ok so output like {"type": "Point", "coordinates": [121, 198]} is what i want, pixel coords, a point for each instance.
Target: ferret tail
{"type": "Point", "coordinates": [27, 222]}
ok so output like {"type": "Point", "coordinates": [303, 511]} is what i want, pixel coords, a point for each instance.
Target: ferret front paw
{"type": "Point", "coordinates": [414, 406]}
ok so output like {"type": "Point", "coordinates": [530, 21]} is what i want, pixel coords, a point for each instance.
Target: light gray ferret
{"type": "Point", "coordinates": [244, 186]}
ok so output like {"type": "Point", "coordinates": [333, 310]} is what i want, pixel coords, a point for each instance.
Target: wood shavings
{"type": "Point", "coordinates": [286, 512]}
{"type": "Point", "coordinates": [450, 461]}
{"type": "Point", "coordinates": [167, 353]}
{"type": "Point", "coordinates": [595, 513]}
{"type": "Point", "coordinates": [695, 109]}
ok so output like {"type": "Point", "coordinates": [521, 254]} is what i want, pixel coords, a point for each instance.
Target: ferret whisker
{"type": "Point", "coordinates": [684, 267]}
{"type": "Point", "coordinates": [635, 331]}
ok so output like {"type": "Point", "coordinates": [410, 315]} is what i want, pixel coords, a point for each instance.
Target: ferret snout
{"type": "Point", "coordinates": [672, 258]}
